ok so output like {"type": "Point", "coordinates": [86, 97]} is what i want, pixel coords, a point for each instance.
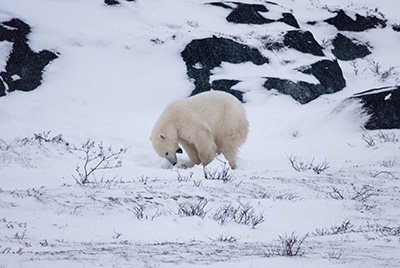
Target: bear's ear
{"type": "Point", "coordinates": [161, 136]}
{"type": "Point", "coordinates": [179, 151]}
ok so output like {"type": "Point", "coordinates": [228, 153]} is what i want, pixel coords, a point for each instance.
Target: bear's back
{"type": "Point", "coordinates": [216, 108]}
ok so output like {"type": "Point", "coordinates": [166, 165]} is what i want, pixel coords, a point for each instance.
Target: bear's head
{"type": "Point", "coordinates": [166, 147]}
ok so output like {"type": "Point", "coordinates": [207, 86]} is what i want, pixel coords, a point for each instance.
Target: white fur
{"type": "Point", "coordinates": [204, 125]}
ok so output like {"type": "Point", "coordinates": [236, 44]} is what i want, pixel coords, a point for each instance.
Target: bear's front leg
{"type": "Point", "coordinates": [205, 146]}
{"type": "Point", "coordinates": [191, 151]}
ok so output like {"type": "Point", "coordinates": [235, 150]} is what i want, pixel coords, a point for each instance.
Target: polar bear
{"type": "Point", "coordinates": [206, 124]}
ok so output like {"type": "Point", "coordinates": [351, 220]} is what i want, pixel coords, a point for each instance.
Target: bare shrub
{"type": "Point", "coordinates": [369, 140]}
{"type": "Point", "coordinates": [382, 230]}
{"type": "Point", "coordinates": [336, 253]}
{"type": "Point", "coordinates": [227, 238]}
{"type": "Point", "coordinates": [382, 137]}
{"type": "Point", "coordinates": [364, 193]}
{"type": "Point", "coordinates": [374, 67]}
{"type": "Point", "coordinates": [361, 194]}
{"type": "Point", "coordinates": [144, 210]}
{"type": "Point", "coordinates": [298, 164]}
{"type": "Point", "coordinates": [287, 196]}
{"type": "Point", "coordinates": [183, 178]}
{"type": "Point", "coordinates": [24, 151]}
{"type": "Point", "coordinates": [96, 158]}
{"type": "Point", "coordinates": [196, 208]}
{"type": "Point", "coordinates": [139, 210]}
{"type": "Point", "coordinates": [289, 245]}
{"type": "Point", "coordinates": [387, 74]}
{"type": "Point", "coordinates": [301, 165]}
{"type": "Point", "coordinates": [336, 194]}
{"type": "Point", "coordinates": [224, 174]}
{"type": "Point", "coordinates": [320, 167]}
{"type": "Point", "coordinates": [242, 214]}
{"type": "Point", "coordinates": [389, 137]}
{"type": "Point", "coordinates": [345, 227]}
{"type": "Point", "coordinates": [355, 66]}
{"type": "Point", "coordinates": [388, 163]}
{"type": "Point", "coordinates": [197, 183]}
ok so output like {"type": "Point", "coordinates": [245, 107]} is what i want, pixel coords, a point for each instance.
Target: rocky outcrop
{"type": "Point", "coordinates": [303, 42]}
{"type": "Point", "coordinates": [250, 14]}
{"type": "Point", "coordinates": [202, 55]}
{"type": "Point", "coordinates": [115, 2]}
{"type": "Point", "coordinates": [24, 67]}
{"type": "Point", "coordinates": [345, 23]}
{"type": "Point", "coordinates": [327, 72]}
{"type": "Point", "coordinates": [346, 49]}
{"type": "Point", "coordinates": [383, 106]}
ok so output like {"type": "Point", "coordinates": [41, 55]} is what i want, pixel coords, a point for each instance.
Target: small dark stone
{"type": "Point", "coordinates": [303, 42]}
{"type": "Point", "coordinates": [383, 106]}
{"type": "Point", "coordinates": [289, 19]}
{"type": "Point", "coordinates": [345, 49]}
{"type": "Point", "coordinates": [248, 14]}
{"type": "Point", "coordinates": [344, 23]}
{"type": "Point", "coordinates": [111, 2]}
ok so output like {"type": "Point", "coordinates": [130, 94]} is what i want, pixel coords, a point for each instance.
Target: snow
{"type": "Point", "coordinates": [118, 67]}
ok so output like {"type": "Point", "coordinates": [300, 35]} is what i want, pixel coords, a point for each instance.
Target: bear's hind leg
{"type": "Point", "coordinates": [230, 155]}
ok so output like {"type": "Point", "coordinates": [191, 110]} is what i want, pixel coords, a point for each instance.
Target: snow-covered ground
{"type": "Point", "coordinates": [118, 67]}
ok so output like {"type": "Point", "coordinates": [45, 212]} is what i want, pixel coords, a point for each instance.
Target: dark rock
{"type": "Point", "coordinates": [111, 2]}
{"type": "Point", "coordinates": [15, 30]}
{"type": "Point", "coordinates": [24, 67]}
{"type": "Point", "coordinates": [301, 91]}
{"type": "Point", "coordinates": [27, 65]}
{"type": "Point", "coordinates": [345, 49]}
{"type": "Point", "coordinates": [226, 85]}
{"type": "Point", "coordinates": [396, 27]}
{"type": "Point", "coordinates": [344, 23]}
{"type": "Point", "coordinates": [328, 74]}
{"type": "Point", "coordinates": [383, 106]}
{"type": "Point", "coordinates": [202, 55]}
{"type": "Point", "coordinates": [289, 19]}
{"type": "Point", "coordinates": [303, 42]}
{"type": "Point", "coordinates": [219, 4]}
{"type": "Point", "coordinates": [2, 88]}
{"type": "Point", "coordinates": [248, 14]}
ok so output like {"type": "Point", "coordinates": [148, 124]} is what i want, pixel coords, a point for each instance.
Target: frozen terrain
{"type": "Point", "coordinates": [313, 188]}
